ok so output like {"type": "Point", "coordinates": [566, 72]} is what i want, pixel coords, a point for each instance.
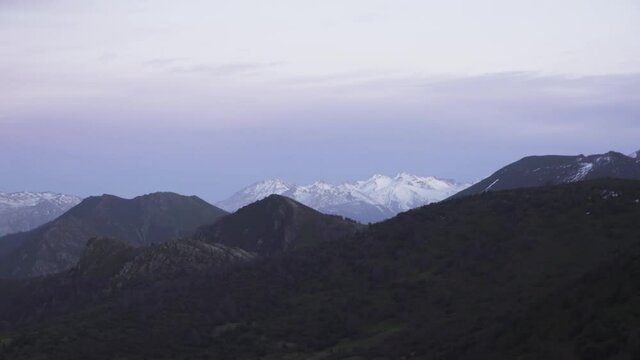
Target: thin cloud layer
{"type": "Point", "coordinates": [200, 97]}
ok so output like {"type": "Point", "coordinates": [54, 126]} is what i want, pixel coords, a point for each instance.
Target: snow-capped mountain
{"type": "Point", "coordinates": [22, 211]}
{"type": "Point", "coordinates": [371, 200]}
{"type": "Point", "coordinates": [557, 169]}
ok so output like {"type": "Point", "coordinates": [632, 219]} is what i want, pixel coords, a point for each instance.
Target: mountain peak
{"type": "Point", "coordinates": [271, 182]}
{"type": "Point", "coordinates": [533, 171]}
{"type": "Point", "coordinates": [160, 194]}
{"type": "Point", "coordinates": [404, 175]}
{"type": "Point", "coordinates": [276, 198]}
{"type": "Point", "coordinates": [320, 185]}
{"type": "Point", "coordinates": [371, 200]}
{"type": "Point", "coordinates": [275, 224]}
{"type": "Point", "coordinates": [378, 176]}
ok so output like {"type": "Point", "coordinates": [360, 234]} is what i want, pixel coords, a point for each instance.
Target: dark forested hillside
{"type": "Point", "coordinates": [548, 272]}
{"type": "Point", "coordinates": [276, 224]}
{"type": "Point", "coordinates": [57, 245]}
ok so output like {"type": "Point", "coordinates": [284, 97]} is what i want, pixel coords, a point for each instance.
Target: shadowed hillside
{"type": "Point", "coordinates": [534, 273]}
{"type": "Point", "coordinates": [276, 224]}
{"type": "Point", "coordinates": [57, 245]}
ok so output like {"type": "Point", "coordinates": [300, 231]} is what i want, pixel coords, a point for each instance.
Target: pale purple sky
{"type": "Point", "coordinates": [205, 97]}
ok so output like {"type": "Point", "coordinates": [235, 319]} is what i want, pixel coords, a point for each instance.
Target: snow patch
{"type": "Point", "coordinates": [608, 194]}
{"type": "Point", "coordinates": [585, 168]}
{"type": "Point", "coordinates": [491, 185]}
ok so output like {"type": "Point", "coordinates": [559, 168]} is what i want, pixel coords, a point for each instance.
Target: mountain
{"type": "Point", "coordinates": [57, 245]}
{"type": "Point", "coordinates": [276, 224]}
{"type": "Point", "coordinates": [120, 263]}
{"type": "Point", "coordinates": [557, 169]}
{"type": "Point", "coordinates": [23, 211]}
{"type": "Point", "coordinates": [534, 273]}
{"type": "Point", "coordinates": [371, 200]}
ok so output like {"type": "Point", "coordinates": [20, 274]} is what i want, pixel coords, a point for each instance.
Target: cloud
{"type": "Point", "coordinates": [225, 69]}
{"type": "Point", "coordinates": [458, 127]}
{"type": "Point", "coordinates": [162, 62]}
{"type": "Point", "coordinates": [147, 87]}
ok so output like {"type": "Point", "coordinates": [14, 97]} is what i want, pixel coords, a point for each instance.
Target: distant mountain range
{"type": "Point", "coordinates": [271, 226]}
{"type": "Point", "coordinates": [534, 171]}
{"type": "Point", "coordinates": [372, 200]}
{"type": "Point", "coordinates": [144, 220]}
{"type": "Point", "coordinates": [264, 223]}
{"type": "Point", "coordinates": [23, 211]}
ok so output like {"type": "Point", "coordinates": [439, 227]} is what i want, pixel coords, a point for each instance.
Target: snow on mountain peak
{"type": "Point", "coordinates": [374, 199]}
{"type": "Point", "coordinates": [267, 187]}
{"type": "Point", "coordinates": [256, 191]}
{"type": "Point", "coordinates": [322, 185]}
{"type": "Point", "coordinates": [375, 182]}
{"type": "Point", "coordinates": [405, 176]}
{"type": "Point", "coordinates": [25, 210]}
{"type": "Point", "coordinates": [635, 155]}
{"type": "Point", "coordinates": [27, 198]}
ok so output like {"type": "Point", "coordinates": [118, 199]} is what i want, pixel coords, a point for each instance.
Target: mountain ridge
{"type": "Point", "coordinates": [372, 200]}
{"type": "Point", "coordinates": [539, 170]}
{"type": "Point", "coordinates": [146, 219]}
{"type": "Point", "coordinates": [26, 210]}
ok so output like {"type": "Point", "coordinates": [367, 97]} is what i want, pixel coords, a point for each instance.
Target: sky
{"type": "Point", "coordinates": [205, 97]}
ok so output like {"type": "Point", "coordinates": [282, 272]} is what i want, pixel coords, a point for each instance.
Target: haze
{"type": "Point", "coordinates": [204, 97]}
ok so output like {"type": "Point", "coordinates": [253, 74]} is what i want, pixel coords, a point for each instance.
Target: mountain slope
{"type": "Point", "coordinates": [371, 200]}
{"type": "Point", "coordinates": [534, 171]}
{"type": "Point", "coordinates": [57, 246]}
{"type": "Point", "coordinates": [276, 224]}
{"type": "Point", "coordinates": [547, 272]}
{"type": "Point", "coordinates": [23, 211]}
{"type": "Point", "coordinates": [121, 263]}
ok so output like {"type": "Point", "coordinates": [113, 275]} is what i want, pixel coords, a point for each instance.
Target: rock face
{"type": "Point", "coordinates": [23, 211]}
{"type": "Point", "coordinates": [119, 262]}
{"type": "Point", "coordinates": [276, 224]}
{"type": "Point", "coordinates": [377, 198]}
{"type": "Point", "coordinates": [160, 261]}
{"type": "Point", "coordinates": [57, 245]}
{"type": "Point", "coordinates": [534, 171]}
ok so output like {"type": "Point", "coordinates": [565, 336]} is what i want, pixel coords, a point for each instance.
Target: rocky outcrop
{"type": "Point", "coordinates": [120, 263]}
{"type": "Point", "coordinates": [179, 258]}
